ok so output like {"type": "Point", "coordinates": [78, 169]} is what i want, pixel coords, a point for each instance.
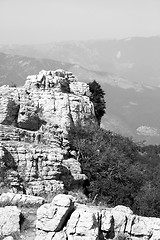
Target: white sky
{"type": "Point", "coordinates": [38, 21]}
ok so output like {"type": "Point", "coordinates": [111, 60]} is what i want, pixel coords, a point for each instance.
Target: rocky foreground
{"type": "Point", "coordinates": [65, 219]}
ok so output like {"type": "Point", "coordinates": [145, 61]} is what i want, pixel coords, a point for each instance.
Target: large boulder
{"type": "Point", "coordinates": [120, 215]}
{"type": "Point", "coordinates": [83, 224]}
{"type": "Point", "coordinates": [9, 220]}
{"type": "Point", "coordinates": [52, 217]}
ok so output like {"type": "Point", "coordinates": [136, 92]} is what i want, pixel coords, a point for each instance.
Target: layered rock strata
{"type": "Point", "coordinates": [34, 123]}
{"type": "Point", "coordinates": [65, 220]}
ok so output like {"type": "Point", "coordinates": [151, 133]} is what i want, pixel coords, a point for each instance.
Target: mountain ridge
{"type": "Point", "coordinates": [135, 58]}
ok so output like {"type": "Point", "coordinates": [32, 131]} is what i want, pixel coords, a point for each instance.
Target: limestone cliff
{"type": "Point", "coordinates": [34, 122]}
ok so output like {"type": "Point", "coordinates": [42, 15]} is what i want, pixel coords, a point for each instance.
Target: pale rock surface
{"type": "Point", "coordinates": [79, 88]}
{"type": "Point", "coordinates": [9, 220]}
{"type": "Point", "coordinates": [8, 238]}
{"type": "Point", "coordinates": [34, 123]}
{"type": "Point", "coordinates": [106, 220]}
{"type": "Point", "coordinates": [122, 209]}
{"type": "Point", "coordinates": [120, 215]}
{"type": "Point", "coordinates": [92, 223]}
{"type": "Point", "coordinates": [83, 224]}
{"type": "Point", "coordinates": [52, 217]}
{"type": "Point", "coordinates": [22, 199]}
{"type": "Point", "coordinates": [51, 103]}
{"type": "Point", "coordinates": [42, 235]}
{"type": "Point", "coordinates": [147, 226]}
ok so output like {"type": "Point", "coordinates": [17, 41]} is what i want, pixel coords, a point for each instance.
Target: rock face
{"type": "Point", "coordinates": [9, 220]}
{"type": "Point", "coordinates": [34, 122]}
{"type": "Point", "coordinates": [63, 219]}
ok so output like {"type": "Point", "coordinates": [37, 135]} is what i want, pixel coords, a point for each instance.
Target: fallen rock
{"type": "Point", "coordinates": [9, 220]}
{"type": "Point", "coordinates": [52, 217]}
{"type": "Point", "coordinates": [20, 199]}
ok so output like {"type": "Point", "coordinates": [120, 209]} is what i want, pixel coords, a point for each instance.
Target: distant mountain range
{"type": "Point", "coordinates": [132, 106]}
{"type": "Point", "coordinates": [136, 59]}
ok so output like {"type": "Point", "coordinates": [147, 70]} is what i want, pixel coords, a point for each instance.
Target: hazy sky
{"type": "Point", "coordinates": [38, 21]}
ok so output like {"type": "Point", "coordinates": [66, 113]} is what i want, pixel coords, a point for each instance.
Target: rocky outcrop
{"type": "Point", "coordinates": [34, 123]}
{"type": "Point", "coordinates": [51, 97]}
{"type": "Point", "coordinates": [38, 169]}
{"type": "Point", "coordinates": [64, 219]}
{"type": "Point", "coordinates": [9, 220]}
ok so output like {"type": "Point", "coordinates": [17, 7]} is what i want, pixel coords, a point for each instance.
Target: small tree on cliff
{"type": "Point", "coordinates": [97, 97]}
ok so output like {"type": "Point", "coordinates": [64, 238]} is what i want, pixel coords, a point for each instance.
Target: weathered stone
{"type": "Point", "coordinates": [120, 215]}
{"type": "Point", "coordinates": [155, 235]}
{"type": "Point", "coordinates": [79, 88]}
{"type": "Point", "coordinates": [52, 217]}
{"type": "Point", "coordinates": [8, 238]}
{"type": "Point", "coordinates": [60, 236]}
{"type": "Point", "coordinates": [37, 118]}
{"type": "Point", "coordinates": [42, 235]}
{"type": "Point", "coordinates": [90, 222]}
{"type": "Point", "coordinates": [123, 209]}
{"type": "Point", "coordinates": [14, 199]}
{"type": "Point", "coordinates": [83, 224]}
{"type": "Point", "coordinates": [144, 226]}
{"type": "Point", "coordinates": [9, 220]}
{"type": "Point", "coordinates": [106, 220]}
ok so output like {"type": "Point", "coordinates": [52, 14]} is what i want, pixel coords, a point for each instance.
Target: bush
{"type": "Point", "coordinates": [110, 163]}
{"type": "Point", "coordinates": [97, 97]}
{"type": "Point", "coordinates": [119, 170]}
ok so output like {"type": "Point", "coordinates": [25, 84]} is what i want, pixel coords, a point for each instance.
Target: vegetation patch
{"type": "Point", "coordinates": [119, 170]}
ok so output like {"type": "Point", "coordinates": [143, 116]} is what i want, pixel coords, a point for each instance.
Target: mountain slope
{"type": "Point", "coordinates": [15, 69]}
{"type": "Point", "coordinates": [136, 59]}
